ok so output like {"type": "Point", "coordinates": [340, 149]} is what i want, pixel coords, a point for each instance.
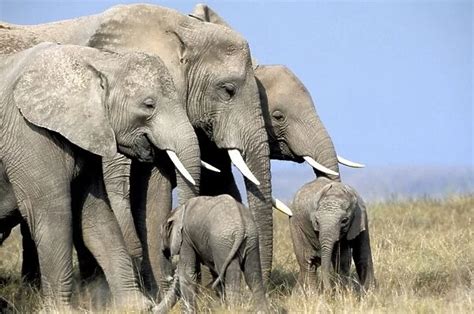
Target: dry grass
{"type": "Point", "coordinates": [423, 255]}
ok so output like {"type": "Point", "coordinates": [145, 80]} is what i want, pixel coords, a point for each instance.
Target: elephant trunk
{"type": "Point", "coordinates": [180, 142]}
{"type": "Point", "coordinates": [328, 238]}
{"type": "Point", "coordinates": [259, 198]}
{"type": "Point", "coordinates": [318, 146]}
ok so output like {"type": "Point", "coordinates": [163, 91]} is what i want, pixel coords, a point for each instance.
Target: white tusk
{"type": "Point", "coordinates": [177, 163]}
{"type": "Point", "coordinates": [239, 162]}
{"type": "Point", "coordinates": [349, 163]}
{"type": "Point", "coordinates": [281, 206]}
{"type": "Point", "coordinates": [318, 166]}
{"type": "Point", "coordinates": [209, 167]}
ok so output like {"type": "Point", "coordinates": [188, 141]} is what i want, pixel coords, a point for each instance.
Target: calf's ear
{"type": "Point", "coordinates": [359, 221]}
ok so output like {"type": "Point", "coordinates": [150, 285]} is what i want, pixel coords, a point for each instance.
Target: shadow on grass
{"type": "Point", "coordinates": [282, 282]}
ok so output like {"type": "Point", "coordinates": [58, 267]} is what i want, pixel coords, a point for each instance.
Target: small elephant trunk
{"type": "Point", "coordinates": [326, 265]}
{"type": "Point", "coordinates": [328, 237]}
{"type": "Point", "coordinates": [169, 299]}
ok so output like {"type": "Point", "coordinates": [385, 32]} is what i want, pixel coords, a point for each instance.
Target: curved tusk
{"type": "Point", "coordinates": [209, 166]}
{"type": "Point", "coordinates": [239, 162]}
{"type": "Point", "coordinates": [348, 163]}
{"type": "Point", "coordinates": [318, 166]}
{"type": "Point", "coordinates": [281, 207]}
{"type": "Point", "coordinates": [177, 163]}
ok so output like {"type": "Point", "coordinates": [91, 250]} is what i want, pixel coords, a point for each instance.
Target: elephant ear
{"type": "Point", "coordinates": [359, 222]}
{"type": "Point", "coordinates": [172, 232]}
{"type": "Point", "coordinates": [61, 92]}
{"type": "Point", "coordinates": [315, 206]}
{"type": "Point", "coordinates": [206, 14]}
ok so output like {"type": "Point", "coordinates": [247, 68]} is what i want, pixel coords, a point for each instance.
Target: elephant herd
{"type": "Point", "coordinates": [102, 116]}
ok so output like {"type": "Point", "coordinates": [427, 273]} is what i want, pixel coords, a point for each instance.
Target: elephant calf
{"type": "Point", "coordinates": [220, 233]}
{"type": "Point", "coordinates": [330, 217]}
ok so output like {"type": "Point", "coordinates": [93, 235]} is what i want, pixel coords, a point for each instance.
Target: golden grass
{"type": "Point", "coordinates": [423, 255]}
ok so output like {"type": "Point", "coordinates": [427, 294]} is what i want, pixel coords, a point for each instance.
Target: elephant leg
{"type": "Point", "coordinates": [362, 255]}
{"type": "Point", "coordinates": [103, 237]}
{"type": "Point", "coordinates": [44, 199]}
{"type": "Point", "coordinates": [345, 260]}
{"type": "Point", "coordinates": [254, 279]}
{"type": "Point", "coordinates": [307, 277]}
{"type": "Point", "coordinates": [151, 202]}
{"type": "Point", "coordinates": [117, 183]}
{"type": "Point", "coordinates": [232, 280]}
{"type": "Point", "coordinates": [187, 274]}
{"type": "Point", "coordinates": [30, 269]}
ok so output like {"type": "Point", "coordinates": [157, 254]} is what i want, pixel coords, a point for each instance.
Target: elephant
{"type": "Point", "coordinates": [295, 131]}
{"type": "Point", "coordinates": [220, 233]}
{"type": "Point", "coordinates": [63, 108]}
{"type": "Point", "coordinates": [326, 213]}
{"type": "Point", "coordinates": [212, 70]}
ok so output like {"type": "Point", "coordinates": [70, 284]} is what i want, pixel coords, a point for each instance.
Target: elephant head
{"type": "Point", "coordinates": [172, 232]}
{"type": "Point", "coordinates": [106, 102]}
{"type": "Point", "coordinates": [294, 128]}
{"type": "Point", "coordinates": [211, 68]}
{"type": "Point", "coordinates": [339, 214]}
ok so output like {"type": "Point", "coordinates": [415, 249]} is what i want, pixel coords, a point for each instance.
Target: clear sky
{"type": "Point", "coordinates": [392, 80]}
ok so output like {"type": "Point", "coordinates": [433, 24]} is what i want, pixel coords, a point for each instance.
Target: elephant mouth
{"type": "Point", "coordinates": [141, 149]}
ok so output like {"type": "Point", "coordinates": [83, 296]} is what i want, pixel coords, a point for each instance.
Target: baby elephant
{"type": "Point", "coordinates": [330, 221]}
{"type": "Point", "coordinates": [220, 233]}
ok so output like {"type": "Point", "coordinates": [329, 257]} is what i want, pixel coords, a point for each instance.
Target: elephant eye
{"type": "Point", "coordinates": [149, 103]}
{"type": "Point", "coordinates": [278, 115]}
{"type": "Point", "coordinates": [228, 91]}
{"type": "Point", "coordinates": [345, 220]}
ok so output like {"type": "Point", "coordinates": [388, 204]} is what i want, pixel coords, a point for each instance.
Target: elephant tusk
{"type": "Point", "coordinates": [177, 163]}
{"type": "Point", "coordinates": [209, 166]}
{"type": "Point", "coordinates": [348, 163]}
{"type": "Point", "coordinates": [318, 166]}
{"type": "Point", "coordinates": [281, 207]}
{"type": "Point", "coordinates": [239, 162]}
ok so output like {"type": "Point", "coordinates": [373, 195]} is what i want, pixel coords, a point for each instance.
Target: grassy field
{"type": "Point", "coordinates": [423, 256]}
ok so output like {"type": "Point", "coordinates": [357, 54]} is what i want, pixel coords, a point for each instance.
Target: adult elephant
{"type": "Point", "coordinates": [63, 108]}
{"type": "Point", "coordinates": [295, 131]}
{"type": "Point", "coordinates": [212, 70]}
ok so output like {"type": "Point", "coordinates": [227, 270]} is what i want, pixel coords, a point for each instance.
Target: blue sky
{"type": "Point", "coordinates": [392, 81]}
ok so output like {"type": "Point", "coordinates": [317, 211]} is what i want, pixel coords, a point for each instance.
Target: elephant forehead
{"type": "Point", "coordinates": [145, 73]}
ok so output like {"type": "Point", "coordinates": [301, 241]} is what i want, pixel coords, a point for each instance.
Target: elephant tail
{"type": "Point", "coordinates": [169, 299]}
{"type": "Point", "coordinates": [238, 240]}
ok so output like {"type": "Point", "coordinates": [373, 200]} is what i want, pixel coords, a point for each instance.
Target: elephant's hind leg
{"type": "Point", "coordinates": [254, 279]}
{"type": "Point", "coordinates": [233, 276]}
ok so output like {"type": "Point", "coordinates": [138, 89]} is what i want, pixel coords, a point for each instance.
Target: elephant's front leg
{"type": "Point", "coordinates": [46, 203]}
{"type": "Point", "coordinates": [342, 261]}
{"type": "Point", "coordinates": [103, 237]}
{"type": "Point", "coordinates": [151, 202]}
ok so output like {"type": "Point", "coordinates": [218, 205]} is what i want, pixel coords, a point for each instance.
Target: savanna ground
{"type": "Point", "coordinates": [423, 254]}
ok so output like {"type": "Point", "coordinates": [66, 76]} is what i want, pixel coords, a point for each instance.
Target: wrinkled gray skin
{"type": "Point", "coordinates": [63, 108]}
{"type": "Point", "coordinates": [292, 124]}
{"type": "Point", "coordinates": [327, 213]}
{"type": "Point", "coordinates": [220, 233]}
{"type": "Point", "coordinates": [211, 67]}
